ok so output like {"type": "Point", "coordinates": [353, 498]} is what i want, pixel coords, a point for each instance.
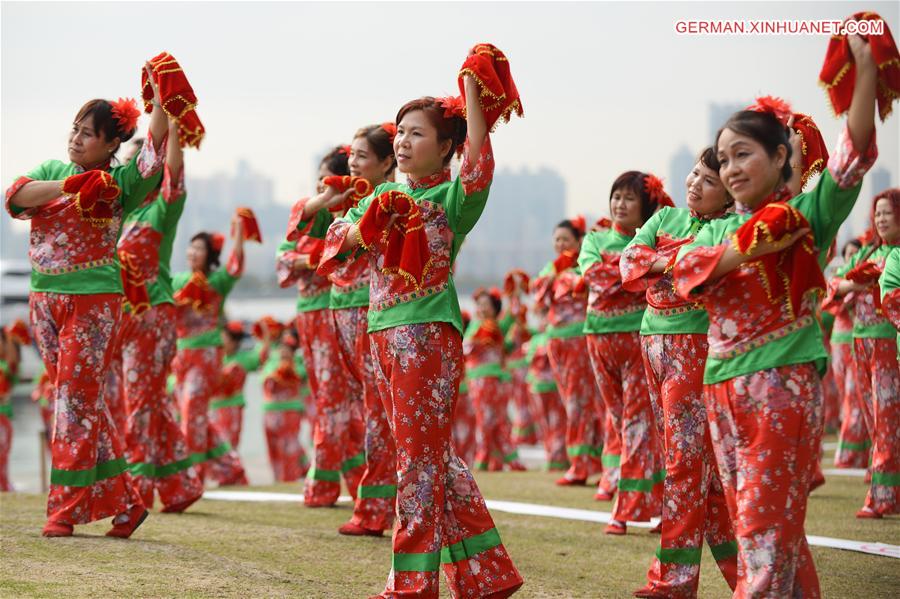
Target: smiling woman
{"type": "Point", "coordinates": [76, 211]}
{"type": "Point", "coordinates": [762, 373]}
{"type": "Point", "coordinates": [415, 328]}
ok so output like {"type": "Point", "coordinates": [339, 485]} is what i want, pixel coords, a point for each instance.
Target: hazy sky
{"type": "Point", "coordinates": [606, 86]}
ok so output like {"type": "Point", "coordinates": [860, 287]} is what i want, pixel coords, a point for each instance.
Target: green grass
{"type": "Point", "coordinates": [230, 549]}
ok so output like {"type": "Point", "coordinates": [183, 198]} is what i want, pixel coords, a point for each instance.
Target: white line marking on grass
{"type": "Point", "coordinates": [856, 472]}
{"type": "Point", "coordinates": [565, 513]}
{"type": "Point", "coordinates": [259, 496]}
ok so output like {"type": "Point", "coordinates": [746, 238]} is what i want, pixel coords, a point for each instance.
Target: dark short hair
{"type": "Point", "coordinates": [766, 130]}
{"type": "Point", "coordinates": [212, 255]}
{"type": "Point", "coordinates": [380, 142]}
{"type": "Point", "coordinates": [567, 224]}
{"type": "Point", "coordinates": [107, 126]}
{"type": "Point", "coordinates": [496, 302]}
{"type": "Point", "coordinates": [634, 182]}
{"type": "Point", "coordinates": [336, 161]}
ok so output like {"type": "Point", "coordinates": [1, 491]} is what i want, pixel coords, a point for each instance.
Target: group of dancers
{"type": "Point", "coordinates": [678, 353]}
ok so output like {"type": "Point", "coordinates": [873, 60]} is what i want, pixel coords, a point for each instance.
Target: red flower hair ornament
{"type": "Point", "coordinates": [217, 240]}
{"type": "Point", "coordinates": [579, 223]}
{"type": "Point", "coordinates": [453, 106]}
{"type": "Point", "coordinates": [653, 185]}
{"type": "Point", "coordinates": [390, 129]}
{"type": "Point", "coordinates": [126, 113]}
{"type": "Point", "coordinates": [777, 107]}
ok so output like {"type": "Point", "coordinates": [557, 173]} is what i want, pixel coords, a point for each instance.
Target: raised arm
{"type": "Point", "coordinates": [476, 126]}
{"type": "Point", "coordinates": [861, 117]}
{"type": "Point", "coordinates": [159, 122]}
{"type": "Point", "coordinates": [174, 153]}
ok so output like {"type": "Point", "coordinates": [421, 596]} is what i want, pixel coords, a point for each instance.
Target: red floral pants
{"type": "Point", "coordinates": [89, 478]}
{"type": "Point", "coordinates": [229, 420]}
{"type": "Point", "coordinates": [878, 379]}
{"type": "Point", "coordinates": [377, 491]}
{"type": "Point", "coordinates": [552, 415]}
{"type": "Point", "coordinates": [195, 375]}
{"type": "Point", "coordinates": [693, 506]}
{"type": "Point", "coordinates": [464, 427]}
{"type": "Point", "coordinates": [338, 448]}
{"type": "Point", "coordinates": [442, 520]}
{"type": "Point", "coordinates": [157, 451]}
{"type": "Point", "coordinates": [572, 370]}
{"type": "Point", "coordinates": [854, 446]}
{"type": "Point", "coordinates": [490, 397]}
{"type": "Point", "coordinates": [766, 428]}
{"type": "Point", "coordinates": [286, 454]}
{"type": "Point", "coordinates": [525, 429]}
{"type": "Point", "coordinates": [619, 368]}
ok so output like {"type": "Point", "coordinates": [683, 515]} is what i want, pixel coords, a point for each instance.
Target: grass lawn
{"type": "Point", "coordinates": [232, 549]}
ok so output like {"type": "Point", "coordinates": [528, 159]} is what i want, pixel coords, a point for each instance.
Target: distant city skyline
{"type": "Point", "coordinates": [609, 87]}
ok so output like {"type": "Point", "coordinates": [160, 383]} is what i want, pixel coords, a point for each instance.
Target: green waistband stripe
{"type": "Point", "coordinates": [611, 460]}
{"type": "Point", "coordinates": [642, 485]}
{"type": "Point", "coordinates": [848, 446]}
{"type": "Point", "coordinates": [470, 547]}
{"type": "Point", "coordinates": [886, 479]}
{"type": "Point", "coordinates": [331, 476]}
{"type": "Point", "coordinates": [218, 451]}
{"type": "Point", "coordinates": [724, 551]}
{"type": "Point", "coordinates": [416, 562]}
{"type": "Point", "coordinates": [580, 450]}
{"type": "Point", "coordinates": [294, 405]}
{"type": "Point", "coordinates": [376, 491]}
{"type": "Point", "coordinates": [688, 556]}
{"type": "Point", "coordinates": [357, 460]}
{"type": "Point", "coordinates": [85, 478]}
{"type": "Point", "coordinates": [235, 401]}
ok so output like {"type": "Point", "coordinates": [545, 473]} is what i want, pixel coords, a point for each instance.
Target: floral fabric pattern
{"type": "Point", "coordinates": [766, 428]}
{"type": "Point", "coordinates": [419, 368]}
{"type": "Point", "coordinates": [155, 442]}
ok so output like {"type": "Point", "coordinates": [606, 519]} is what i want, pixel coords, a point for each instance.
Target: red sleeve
{"type": "Point", "coordinates": [172, 186]}
{"type": "Point", "coordinates": [635, 265]}
{"type": "Point", "coordinates": [15, 211]}
{"type": "Point", "coordinates": [334, 240]}
{"type": "Point", "coordinates": [694, 269]}
{"type": "Point", "coordinates": [476, 177]}
{"type": "Point", "coordinates": [890, 305]}
{"type": "Point", "coordinates": [846, 165]}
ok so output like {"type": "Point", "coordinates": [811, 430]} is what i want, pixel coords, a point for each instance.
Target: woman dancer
{"type": "Point", "coordinates": [762, 384]}
{"type": "Point", "coordinates": [854, 446]}
{"type": "Point", "coordinates": [489, 384]}
{"type": "Point", "coordinates": [875, 355]}
{"type": "Point", "coordinates": [415, 330]}
{"type": "Point", "coordinates": [76, 210]}
{"type": "Point", "coordinates": [338, 433]}
{"type": "Point", "coordinates": [673, 344]}
{"type": "Point", "coordinates": [200, 300]}
{"type": "Point", "coordinates": [613, 322]}
{"type": "Point", "coordinates": [283, 411]}
{"type": "Point", "coordinates": [371, 159]}
{"type": "Point", "coordinates": [157, 451]}
{"type": "Point", "coordinates": [227, 410]}
{"type": "Point", "coordinates": [560, 290]}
